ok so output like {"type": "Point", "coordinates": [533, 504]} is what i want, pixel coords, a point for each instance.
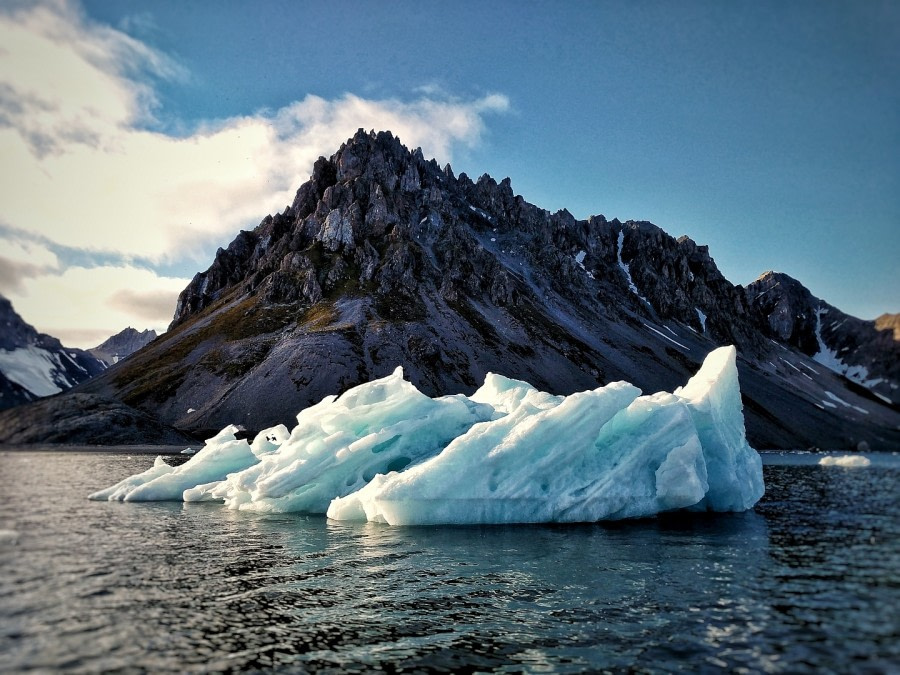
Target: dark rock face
{"type": "Point", "coordinates": [16, 333]}
{"type": "Point", "coordinates": [378, 217]}
{"type": "Point", "coordinates": [33, 364]}
{"type": "Point", "coordinates": [122, 345]}
{"type": "Point", "coordinates": [385, 259]}
{"type": "Point", "coordinates": [84, 419]}
{"type": "Point", "coordinates": [867, 352]}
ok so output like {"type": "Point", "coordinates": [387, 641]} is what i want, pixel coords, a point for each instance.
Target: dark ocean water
{"type": "Point", "coordinates": [807, 582]}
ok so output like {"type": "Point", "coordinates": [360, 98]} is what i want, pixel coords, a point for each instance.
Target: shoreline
{"type": "Point", "coordinates": [142, 449]}
{"type": "Point", "coordinates": [769, 456]}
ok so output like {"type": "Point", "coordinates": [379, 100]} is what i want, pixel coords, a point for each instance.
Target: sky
{"type": "Point", "coordinates": [138, 136]}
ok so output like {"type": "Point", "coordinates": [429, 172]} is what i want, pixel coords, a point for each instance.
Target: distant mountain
{"type": "Point", "coordinates": [122, 344]}
{"type": "Point", "coordinates": [867, 352]}
{"type": "Point", "coordinates": [33, 365]}
{"type": "Point", "coordinates": [386, 259]}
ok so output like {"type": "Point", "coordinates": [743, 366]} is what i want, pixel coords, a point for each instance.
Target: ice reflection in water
{"type": "Point", "coordinates": [809, 580]}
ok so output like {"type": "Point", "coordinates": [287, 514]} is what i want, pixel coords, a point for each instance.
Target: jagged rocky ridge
{"type": "Point", "coordinates": [386, 259]}
{"type": "Point", "coordinates": [867, 352]}
{"type": "Point", "coordinates": [33, 364]}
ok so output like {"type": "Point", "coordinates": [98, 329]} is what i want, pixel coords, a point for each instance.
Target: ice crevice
{"type": "Point", "coordinates": [509, 453]}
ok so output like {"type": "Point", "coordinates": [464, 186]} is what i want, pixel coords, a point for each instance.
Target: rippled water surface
{"type": "Point", "coordinates": [809, 581]}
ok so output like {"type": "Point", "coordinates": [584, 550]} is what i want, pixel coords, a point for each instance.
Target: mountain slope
{"type": "Point", "coordinates": [122, 344]}
{"type": "Point", "coordinates": [33, 365]}
{"type": "Point", "coordinates": [385, 259]}
{"type": "Point", "coordinates": [867, 352]}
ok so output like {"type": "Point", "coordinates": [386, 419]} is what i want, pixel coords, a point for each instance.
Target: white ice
{"type": "Point", "coordinates": [221, 455]}
{"type": "Point", "coordinates": [341, 444]}
{"type": "Point", "coordinates": [602, 454]}
{"type": "Point", "coordinates": [121, 490]}
{"type": "Point", "coordinates": [510, 453]}
{"type": "Point", "coordinates": [845, 460]}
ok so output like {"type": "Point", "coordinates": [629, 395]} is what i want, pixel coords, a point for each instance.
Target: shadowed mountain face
{"type": "Point", "coordinates": [867, 352]}
{"type": "Point", "coordinates": [33, 364]}
{"type": "Point", "coordinates": [385, 259]}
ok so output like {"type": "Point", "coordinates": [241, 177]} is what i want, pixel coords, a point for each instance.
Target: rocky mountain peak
{"type": "Point", "coordinates": [866, 352]}
{"type": "Point", "coordinates": [376, 216]}
{"type": "Point", "coordinates": [122, 344]}
{"type": "Point", "coordinates": [384, 259]}
{"type": "Point", "coordinates": [16, 333]}
{"type": "Point", "coordinates": [789, 308]}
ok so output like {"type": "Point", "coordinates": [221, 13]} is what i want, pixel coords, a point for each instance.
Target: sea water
{"type": "Point", "coordinates": [807, 581]}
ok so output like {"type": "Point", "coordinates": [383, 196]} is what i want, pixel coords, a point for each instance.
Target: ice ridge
{"type": "Point", "coordinates": [385, 452]}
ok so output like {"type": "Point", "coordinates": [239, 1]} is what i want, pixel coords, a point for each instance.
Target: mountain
{"type": "Point", "coordinates": [867, 352]}
{"type": "Point", "coordinates": [386, 259]}
{"type": "Point", "coordinates": [33, 365]}
{"type": "Point", "coordinates": [120, 345]}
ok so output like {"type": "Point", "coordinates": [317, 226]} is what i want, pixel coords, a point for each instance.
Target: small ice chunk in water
{"type": "Point", "coordinates": [845, 460]}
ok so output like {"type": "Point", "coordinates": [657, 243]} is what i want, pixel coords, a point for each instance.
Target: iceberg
{"type": "Point", "coordinates": [341, 444]}
{"type": "Point", "coordinates": [221, 455]}
{"type": "Point", "coordinates": [385, 452]}
{"type": "Point", "coordinates": [845, 460]}
{"type": "Point", "coordinates": [605, 454]}
{"type": "Point", "coordinates": [123, 488]}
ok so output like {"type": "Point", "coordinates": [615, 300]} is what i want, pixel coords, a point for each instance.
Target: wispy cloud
{"type": "Point", "coordinates": [84, 305]}
{"type": "Point", "coordinates": [21, 259]}
{"type": "Point", "coordinates": [86, 166]}
{"type": "Point", "coordinates": [153, 306]}
{"type": "Point", "coordinates": [75, 112]}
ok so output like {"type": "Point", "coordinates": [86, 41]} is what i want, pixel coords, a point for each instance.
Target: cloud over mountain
{"type": "Point", "coordinates": [91, 167]}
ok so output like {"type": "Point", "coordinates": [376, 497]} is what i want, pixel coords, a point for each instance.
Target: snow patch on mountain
{"type": "Point", "coordinates": [36, 369]}
{"type": "Point", "coordinates": [829, 358]}
{"type": "Point", "coordinates": [626, 270]}
{"type": "Point", "coordinates": [702, 317]}
{"type": "Point", "coordinates": [34, 365]}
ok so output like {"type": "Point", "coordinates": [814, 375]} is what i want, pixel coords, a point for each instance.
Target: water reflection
{"type": "Point", "coordinates": [489, 595]}
{"type": "Point", "coordinates": [809, 578]}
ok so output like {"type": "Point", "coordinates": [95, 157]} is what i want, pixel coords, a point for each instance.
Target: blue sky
{"type": "Point", "coordinates": [769, 131]}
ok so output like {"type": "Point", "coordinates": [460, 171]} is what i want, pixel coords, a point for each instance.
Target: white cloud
{"type": "Point", "coordinates": [21, 259]}
{"type": "Point", "coordinates": [85, 169]}
{"type": "Point", "coordinates": [90, 174]}
{"type": "Point", "coordinates": [83, 306]}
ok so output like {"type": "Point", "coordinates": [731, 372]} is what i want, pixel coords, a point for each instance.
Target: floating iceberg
{"type": "Point", "coordinates": [341, 444]}
{"type": "Point", "coordinates": [845, 460]}
{"type": "Point", "coordinates": [385, 452]}
{"type": "Point", "coordinates": [602, 454]}
{"type": "Point", "coordinates": [221, 455]}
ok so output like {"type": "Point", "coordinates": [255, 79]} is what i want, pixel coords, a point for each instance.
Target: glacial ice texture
{"type": "Point", "coordinates": [385, 452]}
{"type": "Point", "coordinates": [221, 455]}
